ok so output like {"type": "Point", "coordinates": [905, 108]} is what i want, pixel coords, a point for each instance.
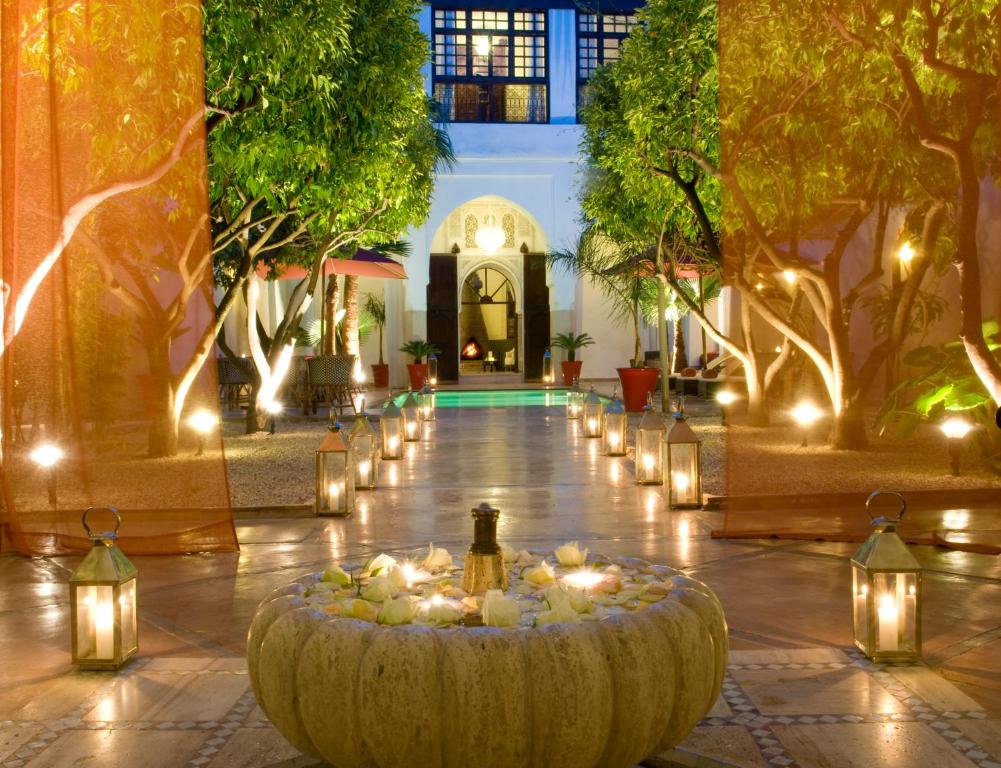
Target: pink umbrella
{"type": "Point", "coordinates": [365, 263]}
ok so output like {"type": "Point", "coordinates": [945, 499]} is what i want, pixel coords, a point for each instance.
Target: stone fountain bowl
{"type": "Point", "coordinates": [603, 693]}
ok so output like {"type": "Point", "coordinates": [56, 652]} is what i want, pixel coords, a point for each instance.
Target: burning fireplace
{"type": "Point", "coordinates": [471, 350]}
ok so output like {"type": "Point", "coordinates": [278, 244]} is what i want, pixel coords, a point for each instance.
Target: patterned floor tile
{"type": "Point", "coordinates": [815, 692]}
{"type": "Point", "coordinates": [866, 745]}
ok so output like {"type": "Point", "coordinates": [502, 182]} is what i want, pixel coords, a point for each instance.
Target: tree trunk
{"type": "Point", "coordinates": [848, 428]}
{"type": "Point", "coordinates": [329, 316]}
{"type": "Point", "coordinates": [757, 405]}
{"type": "Point", "coordinates": [352, 345]}
{"type": "Point", "coordinates": [162, 438]}
{"type": "Point", "coordinates": [680, 354]}
{"type": "Point", "coordinates": [662, 340]}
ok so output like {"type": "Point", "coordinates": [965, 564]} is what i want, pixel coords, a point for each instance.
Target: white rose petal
{"type": "Point", "coordinates": [540, 574]}
{"type": "Point", "coordinates": [499, 610]}
{"type": "Point", "coordinates": [524, 557]}
{"type": "Point", "coordinates": [362, 609]}
{"type": "Point", "coordinates": [437, 558]}
{"type": "Point", "coordinates": [396, 611]}
{"type": "Point", "coordinates": [379, 564]}
{"type": "Point", "coordinates": [561, 614]}
{"type": "Point", "coordinates": [443, 613]}
{"type": "Point", "coordinates": [508, 553]}
{"type": "Point", "coordinates": [570, 555]}
{"type": "Point", "coordinates": [378, 589]}
{"type": "Point", "coordinates": [336, 575]}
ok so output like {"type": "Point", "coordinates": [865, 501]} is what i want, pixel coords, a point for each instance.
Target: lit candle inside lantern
{"type": "Point", "coordinates": [104, 626]}
{"type": "Point", "coordinates": [888, 622]}
{"type": "Point", "coordinates": [334, 495]}
{"type": "Point", "coordinates": [648, 461]}
{"type": "Point", "coordinates": [613, 439]}
{"type": "Point", "coordinates": [681, 482]}
{"type": "Point", "coordinates": [592, 424]}
{"type": "Point", "coordinates": [364, 467]}
{"type": "Point", "coordinates": [411, 428]}
{"type": "Point", "coordinates": [392, 443]}
{"type": "Point", "coordinates": [584, 579]}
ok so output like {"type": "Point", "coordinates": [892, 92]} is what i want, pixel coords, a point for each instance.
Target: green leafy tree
{"type": "Point", "coordinates": [942, 382]}
{"type": "Point", "coordinates": [321, 140]}
{"type": "Point", "coordinates": [936, 64]}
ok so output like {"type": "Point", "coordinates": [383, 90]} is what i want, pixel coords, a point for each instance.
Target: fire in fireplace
{"type": "Point", "coordinates": [472, 350]}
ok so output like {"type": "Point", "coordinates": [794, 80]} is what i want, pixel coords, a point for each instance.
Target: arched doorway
{"type": "Point", "coordinates": [489, 322]}
{"type": "Point", "coordinates": [494, 291]}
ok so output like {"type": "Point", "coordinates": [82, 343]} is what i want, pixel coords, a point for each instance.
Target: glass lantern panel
{"type": "Point", "coordinates": [364, 454]}
{"type": "Point", "coordinates": [649, 456]}
{"type": "Point", "coordinates": [860, 607]}
{"type": "Point", "coordinates": [95, 612]}
{"type": "Point", "coordinates": [684, 467]}
{"type": "Point", "coordinates": [427, 407]}
{"type": "Point", "coordinates": [411, 424]}
{"type": "Point", "coordinates": [896, 612]}
{"type": "Point", "coordinates": [573, 405]}
{"type": "Point", "coordinates": [592, 420]}
{"type": "Point", "coordinates": [127, 604]}
{"type": "Point", "coordinates": [392, 447]}
{"type": "Point", "coordinates": [332, 486]}
{"type": "Point", "coordinates": [615, 434]}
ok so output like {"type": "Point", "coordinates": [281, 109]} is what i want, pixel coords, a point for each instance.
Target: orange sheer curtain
{"type": "Point", "coordinates": [843, 229]}
{"type": "Point", "coordinates": [107, 282]}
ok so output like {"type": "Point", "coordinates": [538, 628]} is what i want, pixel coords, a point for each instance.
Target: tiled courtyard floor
{"type": "Point", "coordinates": [795, 694]}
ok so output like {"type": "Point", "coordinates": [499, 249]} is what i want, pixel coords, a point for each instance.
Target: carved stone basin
{"type": "Point", "coordinates": [609, 691]}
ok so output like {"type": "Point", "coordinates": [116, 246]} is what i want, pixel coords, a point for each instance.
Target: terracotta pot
{"type": "Point", "coordinates": [571, 371]}
{"type": "Point", "coordinates": [418, 372]}
{"type": "Point", "coordinates": [637, 383]}
{"type": "Point", "coordinates": [380, 375]}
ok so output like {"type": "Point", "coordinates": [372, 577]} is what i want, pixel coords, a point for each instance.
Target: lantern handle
{"type": "Point", "coordinates": [872, 497]}
{"type": "Point", "coordinates": [108, 534]}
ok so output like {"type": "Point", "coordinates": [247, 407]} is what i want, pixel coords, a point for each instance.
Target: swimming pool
{"type": "Point", "coordinates": [496, 398]}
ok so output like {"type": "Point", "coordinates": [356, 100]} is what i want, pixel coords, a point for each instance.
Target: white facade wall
{"type": "Point", "coordinates": [535, 168]}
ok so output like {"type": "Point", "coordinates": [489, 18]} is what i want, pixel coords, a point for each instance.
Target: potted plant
{"type": "Point", "coordinates": [570, 343]}
{"type": "Point", "coordinates": [614, 271]}
{"type": "Point", "coordinates": [418, 349]}
{"type": "Point", "coordinates": [375, 307]}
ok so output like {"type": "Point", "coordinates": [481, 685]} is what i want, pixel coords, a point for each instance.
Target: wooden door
{"type": "Point", "coordinates": [537, 331]}
{"type": "Point", "coordinates": [443, 314]}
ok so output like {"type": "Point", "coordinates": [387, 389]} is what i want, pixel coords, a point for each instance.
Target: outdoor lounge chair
{"type": "Point", "coordinates": [330, 381]}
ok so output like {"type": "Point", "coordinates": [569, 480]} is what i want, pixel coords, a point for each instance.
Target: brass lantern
{"type": "Point", "coordinates": [426, 402]}
{"type": "Point", "coordinates": [391, 432]}
{"type": "Point", "coordinates": [335, 476]}
{"type": "Point", "coordinates": [547, 368]}
{"type": "Point", "coordinates": [103, 606]}
{"type": "Point", "coordinates": [684, 466]}
{"type": "Point", "coordinates": [364, 453]}
{"type": "Point", "coordinates": [433, 369]}
{"type": "Point", "coordinates": [411, 419]}
{"type": "Point", "coordinates": [592, 414]}
{"type": "Point", "coordinates": [650, 447]}
{"type": "Point", "coordinates": [886, 592]}
{"type": "Point", "coordinates": [615, 428]}
{"type": "Point", "coordinates": [575, 400]}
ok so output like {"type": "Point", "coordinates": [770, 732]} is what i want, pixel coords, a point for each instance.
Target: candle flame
{"type": "Point", "coordinates": [584, 579]}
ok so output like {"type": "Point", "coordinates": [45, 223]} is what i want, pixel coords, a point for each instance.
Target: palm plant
{"type": "Point", "coordinates": [375, 308]}
{"type": "Point", "coordinates": [418, 349]}
{"type": "Point", "coordinates": [678, 309]}
{"type": "Point", "coordinates": [571, 342]}
{"type": "Point", "coordinates": [608, 266]}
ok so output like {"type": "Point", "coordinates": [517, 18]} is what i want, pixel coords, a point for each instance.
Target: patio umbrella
{"type": "Point", "coordinates": [364, 263]}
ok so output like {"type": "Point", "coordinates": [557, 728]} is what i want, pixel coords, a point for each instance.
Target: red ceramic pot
{"type": "Point", "coordinates": [418, 372]}
{"type": "Point", "coordinates": [380, 375]}
{"type": "Point", "coordinates": [637, 384]}
{"type": "Point", "coordinates": [571, 371]}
